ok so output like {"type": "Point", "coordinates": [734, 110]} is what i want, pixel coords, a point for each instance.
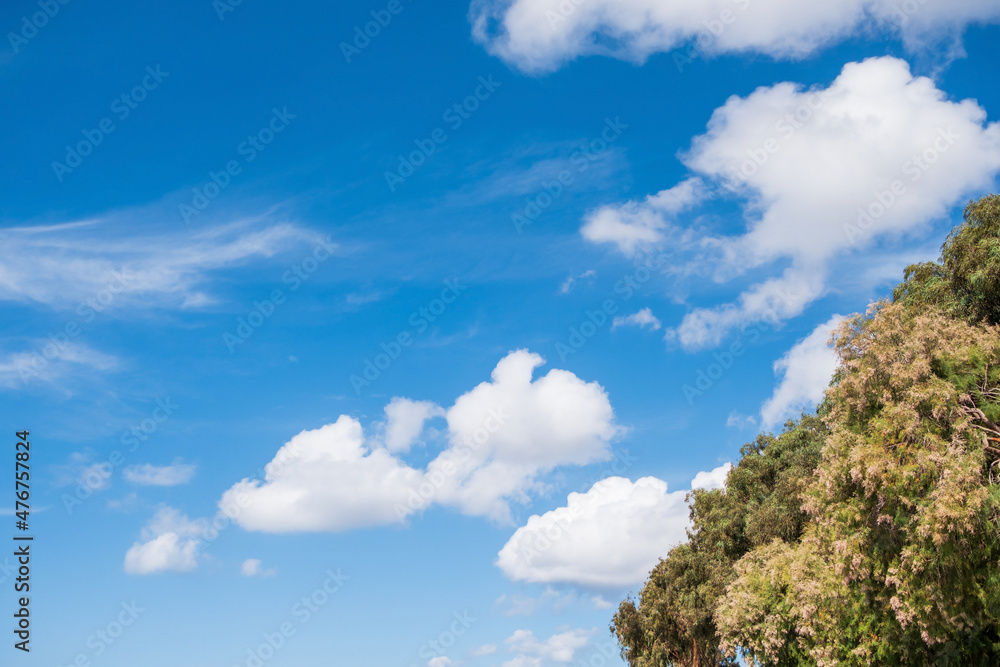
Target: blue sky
{"type": "Point", "coordinates": [403, 349]}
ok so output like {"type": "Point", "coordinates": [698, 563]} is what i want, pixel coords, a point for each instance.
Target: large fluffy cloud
{"type": "Point", "coordinates": [502, 436]}
{"type": "Point", "coordinates": [324, 480]}
{"type": "Point", "coordinates": [505, 432]}
{"type": "Point", "coordinates": [541, 35]}
{"type": "Point", "coordinates": [823, 173]}
{"type": "Point", "coordinates": [404, 421]}
{"type": "Point", "coordinates": [807, 369]}
{"type": "Point", "coordinates": [609, 537]}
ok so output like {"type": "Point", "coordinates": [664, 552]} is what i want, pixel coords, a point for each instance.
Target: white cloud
{"type": "Point", "coordinates": [94, 265]}
{"type": "Point", "coordinates": [80, 469]}
{"type": "Point", "coordinates": [644, 318]}
{"type": "Point", "coordinates": [52, 362]}
{"type": "Point", "coordinates": [609, 537]}
{"type": "Point", "coordinates": [485, 649]}
{"type": "Point", "coordinates": [559, 648]}
{"type": "Point", "coordinates": [600, 603]}
{"type": "Point", "coordinates": [824, 174]}
{"type": "Point", "coordinates": [405, 422]}
{"type": "Point", "coordinates": [97, 476]}
{"type": "Point", "coordinates": [440, 661]}
{"type": "Point", "coordinates": [506, 432]}
{"type": "Point", "coordinates": [713, 479]}
{"type": "Point", "coordinates": [567, 285]}
{"type": "Point", "coordinates": [172, 542]}
{"type": "Point", "coordinates": [806, 370]}
{"type": "Point", "coordinates": [324, 480]}
{"type": "Point", "coordinates": [637, 226]}
{"type": "Point", "coordinates": [502, 436]}
{"type": "Point", "coordinates": [542, 35]}
{"type": "Point", "coordinates": [150, 475]}
{"type": "Point", "coordinates": [740, 421]}
{"type": "Point", "coordinates": [252, 567]}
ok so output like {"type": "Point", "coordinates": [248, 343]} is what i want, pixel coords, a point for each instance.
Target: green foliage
{"type": "Point", "coordinates": [966, 283]}
{"type": "Point", "coordinates": [673, 622]}
{"type": "Point", "coordinates": [869, 533]}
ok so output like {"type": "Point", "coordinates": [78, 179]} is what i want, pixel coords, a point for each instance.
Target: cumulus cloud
{"type": "Point", "coordinates": [324, 480]}
{"type": "Point", "coordinates": [609, 537]}
{"type": "Point", "coordinates": [252, 567]}
{"type": "Point", "coordinates": [532, 652]}
{"type": "Point", "coordinates": [171, 544]}
{"type": "Point", "coordinates": [506, 432]}
{"type": "Point", "coordinates": [644, 318]}
{"type": "Point", "coordinates": [824, 174]}
{"type": "Point", "coordinates": [713, 479]}
{"type": "Point", "coordinates": [542, 35]}
{"type": "Point", "coordinates": [806, 371]}
{"type": "Point", "coordinates": [440, 661]}
{"type": "Point", "coordinates": [638, 226]}
{"type": "Point", "coordinates": [485, 649]}
{"type": "Point", "coordinates": [405, 421]}
{"type": "Point", "coordinates": [151, 475]}
{"type": "Point", "coordinates": [501, 437]}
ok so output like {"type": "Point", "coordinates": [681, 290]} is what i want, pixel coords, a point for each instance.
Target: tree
{"type": "Point", "coordinates": [869, 533]}
{"type": "Point", "coordinates": [898, 562]}
{"type": "Point", "coordinates": [672, 623]}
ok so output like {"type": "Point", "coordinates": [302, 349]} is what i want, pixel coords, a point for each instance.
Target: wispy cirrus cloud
{"type": "Point", "coordinates": [109, 262]}
{"type": "Point", "coordinates": [153, 475]}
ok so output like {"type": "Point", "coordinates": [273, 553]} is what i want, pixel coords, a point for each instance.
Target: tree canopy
{"type": "Point", "coordinates": [868, 533]}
